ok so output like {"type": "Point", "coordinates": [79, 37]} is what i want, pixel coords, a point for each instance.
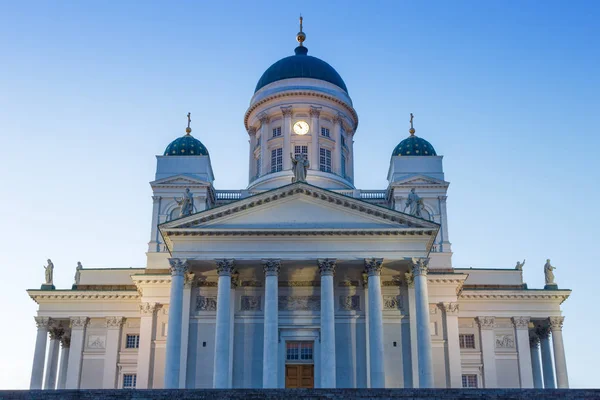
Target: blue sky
{"type": "Point", "coordinates": [507, 91]}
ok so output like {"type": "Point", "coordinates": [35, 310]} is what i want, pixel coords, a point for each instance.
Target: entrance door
{"type": "Point", "coordinates": [299, 376]}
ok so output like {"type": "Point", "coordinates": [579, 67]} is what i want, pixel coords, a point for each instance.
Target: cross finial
{"type": "Point", "coordinates": [301, 36]}
{"type": "Point", "coordinates": [301, 22]}
{"type": "Point", "coordinates": [412, 129]}
{"type": "Point", "coordinates": [189, 117]}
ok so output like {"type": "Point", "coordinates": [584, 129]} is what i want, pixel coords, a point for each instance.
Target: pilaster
{"type": "Point", "coordinates": [337, 136]}
{"type": "Point", "coordinates": [562, 377]}
{"type": "Point", "coordinates": [264, 143]}
{"type": "Point", "coordinates": [488, 350]}
{"type": "Point", "coordinates": [287, 136]}
{"type": "Point", "coordinates": [111, 354]}
{"type": "Point", "coordinates": [78, 326]}
{"type": "Point", "coordinates": [315, 113]}
{"type": "Point", "coordinates": [145, 350]}
{"type": "Point", "coordinates": [452, 343]}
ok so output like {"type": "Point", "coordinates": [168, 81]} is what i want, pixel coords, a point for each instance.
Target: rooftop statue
{"type": "Point", "coordinates": [300, 166]}
{"type": "Point", "coordinates": [186, 203]}
{"type": "Point", "coordinates": [78, 272]}
{"type": "Point", "coordinates": [49, 269]}
{"type": "Point", "coordinates": [549, 275]}
{"type": "Point", "coordinates": [519, 266]}
{"type": "Point", "coordinates": [415, 204]}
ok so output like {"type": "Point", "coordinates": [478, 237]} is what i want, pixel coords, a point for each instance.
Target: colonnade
{"type": "Point", "coordinates": [551, 372]}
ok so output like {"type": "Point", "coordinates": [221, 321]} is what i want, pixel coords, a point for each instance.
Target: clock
{"type": "Point", "coordinates": [301, 128]}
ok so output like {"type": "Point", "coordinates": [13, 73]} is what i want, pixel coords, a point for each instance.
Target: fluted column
{"type": "Point", "coordinates": [420, 269]}
{"type": "Point", "coordinates": [264, 143]}
{"type": "Point", "coordinates": [536, 366]}
{"type": "Point", "coordinates": [287, 136]}
{"type": "Point", "coordinates": [547, 365]}
{"type": "Point", "coordinates": [173, 357]}
{"type": "Point", "coordinates": [328, 373]}
{"type": "Point", "coordinates": [111, 353]}
{"type": "Point", "coordinates": [337, 136]}
{"type": "Point", "coordinates": [521, 325]}
{"type": "Point", "coordinates": [251, 160]}
{"type": "Point", "coordinates": [223, 331]}
{"type": "Point", "coordinates": [373, 268]}
{"type": "Point", "coordinates": [488, 350]}
{"type": "Point", "coordinates": [39, 355]}
{"type": "Point", "coordinates": [78, 326]}
{"type": "Point", "coordinates": [560, 361]}
{"type": "Point", "coordinates": [147, 332]}
{"type": "Point", "coordinates": [452, 342]}
{"type": "Point", "coordinates": [271, 321]}
{"type": "Point", "coordinates": [65, 343]}
{"type": "Point", "coordinates": [315, 131]}
{"type": "Point", "coordinates": [412, 316]}
{"type": "Point", "coordinates": [56, 332]}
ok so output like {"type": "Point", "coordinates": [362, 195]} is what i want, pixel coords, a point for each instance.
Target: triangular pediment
{"type": "Point", "coordinates": [179, 180]}
{"type": "Point", "coordinates": [420, 180]}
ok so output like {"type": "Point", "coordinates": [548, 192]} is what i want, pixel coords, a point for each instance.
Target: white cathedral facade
{"type": "Point", "coordinates": [299, 280]}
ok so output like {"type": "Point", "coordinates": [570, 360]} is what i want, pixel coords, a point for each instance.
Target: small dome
{"type": "Point", "coordinates": [300, 65]}
{"type": "Point", "coordinates": [414, 146]}
{"type": "Point", "coordinates": [186, 146]}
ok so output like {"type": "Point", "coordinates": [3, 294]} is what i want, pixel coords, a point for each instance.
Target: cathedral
{"type": "Point", "coordinates": [299, 280]}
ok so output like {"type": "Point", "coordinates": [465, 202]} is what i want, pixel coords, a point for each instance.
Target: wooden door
{"type": "Point", "coordinates": [299, 376]}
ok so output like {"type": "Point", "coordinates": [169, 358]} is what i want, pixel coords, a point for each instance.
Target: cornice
{"type": "Point", "coordinates": [553, 295]}
{"type": "Point", "coordinates": [74, 295]}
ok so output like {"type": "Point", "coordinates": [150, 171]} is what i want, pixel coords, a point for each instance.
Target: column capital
{"type": "Point", "coordinates": [42, 322]}
{"type": "Point", "coordinates": [251, 131]}
{"type": "Point", "coordinates": [556, 323]}
{"type": "Point", "coordinates": [225, 266]}
{"type": "Point", "coordinates": [420, 266]}
{"type": "Point", "coordinates": [263, 118]}
{"type": "Point", "coordinates": [78, 322]}
{"type": "Point", "coordinates": [286, 111]}
{"type": "Point", "coordinates": [443, 198]}
{"type": "Point", "coordinates": [114, 322]}
{"type": "Point", "coordinates": [315, 111]}
{"type": "Point", "coordinates": [271, 266]}
{"type": "Point", "coordinates": [179, 266]}
{"type": "Point", "coordinates": [189, 279]}
{"type": "Point", "coordinates": [543, 332]}
{"type": "Point", "coordinates": [409, 277]}
{"type": "Point", "coordinates": [149, 308]}
{"type": "Point", "coordinates": [450, 308]}
{"type": "Point", "coordinates": [338, 119]}
{"type": "Point", "coordinates": [520, 322]}
{"type": "Point", "coordinates": [156, 199]}
{"type": "Point", "coordinates": [486, 322]}
{"type": "Point", "coordinates": [326, 266]}
{"type": "Point", "coordinates": [534, 340]}
{"type": "Point", "coordinates": [65, 340]}
{"type": "Point", "coordinates": [56, 332]}
{"type": "Point", "coordinates": [373, 266]}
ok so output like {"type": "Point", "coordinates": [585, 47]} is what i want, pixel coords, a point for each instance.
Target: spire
{"type": "Point", "coordinates": [301, 36]}
{"type": "Point", "coordinates": [188, 130]}
{"type": "Point", "coordinates": [411, 130]}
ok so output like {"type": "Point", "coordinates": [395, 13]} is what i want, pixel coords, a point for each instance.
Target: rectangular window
{"type": "Point", "coordinates": [301, 150]}
{"type": "Point", "coordinates": [299, 351]}
{"type": "Point", "coordinates": [343, 166]}
{"type": "Point", "coordinates": [467, 341]}
{"type": "Point", "coordinates": [469, 381]}
{"type": "Point", "coordinates": [325, 160]}
{"type": "Point", "coordinates": [132, 342]}
{"type": "Point", "coordinates": [276, 160]}
{"type": "Point", "coordinates": [277, 131]}
{"type": "Point", "coordinates": [129, 381]}
{"type": "Point", "coordinates": [325, 132]}
{"type": "Point", "coordinates": [258, 166]}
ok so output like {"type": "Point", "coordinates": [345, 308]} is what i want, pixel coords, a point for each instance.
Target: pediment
{"type": "Point", "coordinates": [420, 180]}
{"type": "Point", "coordinates": [178, 180]}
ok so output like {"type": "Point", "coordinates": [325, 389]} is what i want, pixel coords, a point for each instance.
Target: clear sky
{"type": "Point", "coordinates": [507, 91]}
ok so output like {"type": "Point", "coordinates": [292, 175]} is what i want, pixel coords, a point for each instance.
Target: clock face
{"type": "Point", "coordinates": [301, 128]}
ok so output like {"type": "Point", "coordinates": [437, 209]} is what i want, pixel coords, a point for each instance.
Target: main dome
{"type": "Point", "coordinates": [300, 65]}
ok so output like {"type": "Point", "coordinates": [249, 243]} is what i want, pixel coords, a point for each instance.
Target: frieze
{"type": "Point", "coordinates": [96, 342]}
{"type": "Point", "coordinates": [251, 303]}
{"type": "Point", "coordinates": [505, 341]}
{"type": "Point", "coordinates": [348, 283]}
{"type": "Point", "coordinates": [251, 284]}
{"type": "Point", "coordinates": [394, 282]}
{"type": "Point", "coordinates": [205, 283]}
{"type": "Point", "coordinates": [392, 302]}
{"type": "Point", "coordinates": [299, 283]}
{"type": "Point", "coordinates": [204, 303]}
{"type": "Point", "coordinates": [350, 303]}
{"type": "Point", "coordinates": [299, 303]}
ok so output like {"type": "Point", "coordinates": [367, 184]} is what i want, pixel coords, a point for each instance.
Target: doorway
{"type": "Point", "coordinates": [299, 365]}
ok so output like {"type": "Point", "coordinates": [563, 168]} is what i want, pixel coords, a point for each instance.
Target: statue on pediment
{"type": "Point", "coordinates": [548, 274]}
{"type": "Point", "coordinates": [415, 204]}
{"type": "Point", "coordinates": [186, 203]}
{"type": "Point", "coordinates": [300, 165]}
{"type": "Point", "coordinates": [519, 266]}
{"type": "Point", "coordinates": [49, 272]}
{"type": "Point", "coordinates": [78, 272]}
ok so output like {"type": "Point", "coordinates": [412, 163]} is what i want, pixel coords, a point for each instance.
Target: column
{"type": "Point", "coordinates": [271, 321]}
{"type": "Point", "coordinates": [173, 354]}
{"type": "Point", "coordinates": [562, 378]}
{"type": "Point", "coordinates": [488, 350]}
{"type": "Point", "coordinates": [445, 245]}
{"type": "Point", "coordinates": [77, 325]}
{"type": "Point", "coordinates": [39, 355]}
{"type": "Point", "coordinates": [452, 343]}
{"type": "Point", "coordinates": [264, 143]}
{"type": "Point", "coordinates": [64, 360]}
{"type": "Point", "coordinates": [287, 136]}
{"type": "Point", "coordinates": [350, 161]}
{"type": "Point", "coordinates": [365, 278]}
{"type": "Point", "coordinates": [111, 353]}
{"type": "Point", "coordinates": [56, 333]}
{"type": "Point", "coordinates": [373, 268]}
{"type": "Point", "coordinates": [251, 163]}
{"type": "Point", "coordinates": [145, 350]}
{"type": "Point", "coordinates": [412, 315]}
{"type": "Point", "coordinates": [222, 331]}
{"type": "Point", "coordinates": [521, 325]}
{"type": "Point", "coordinates": [337, 136]}
{"type": "Point", "coordinates": [328, 373]}
{"type": "Point", "coordinates": [188, 283]}
{"type": "Point", "coordinates": [315, 131]}
{"type": "Point", "coordinates": [536, 366]}
{"type": "Point", "coordinates": [420, 269]}
{"type": "Point", "coordinates": [153, 245]}
{"type": "Point", "coordinates": [547, 365]}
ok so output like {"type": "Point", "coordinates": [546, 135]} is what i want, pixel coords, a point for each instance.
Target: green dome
{"type": "Point", "coordinates": [186, 146]}
{"type": "Point", "coordinates": [414, 146]}
{"type": "Point", "coordinates": [300, 65]}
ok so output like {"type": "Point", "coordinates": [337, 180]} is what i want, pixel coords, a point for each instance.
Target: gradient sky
{"type": "Point", "coordinates": [507, 91]}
